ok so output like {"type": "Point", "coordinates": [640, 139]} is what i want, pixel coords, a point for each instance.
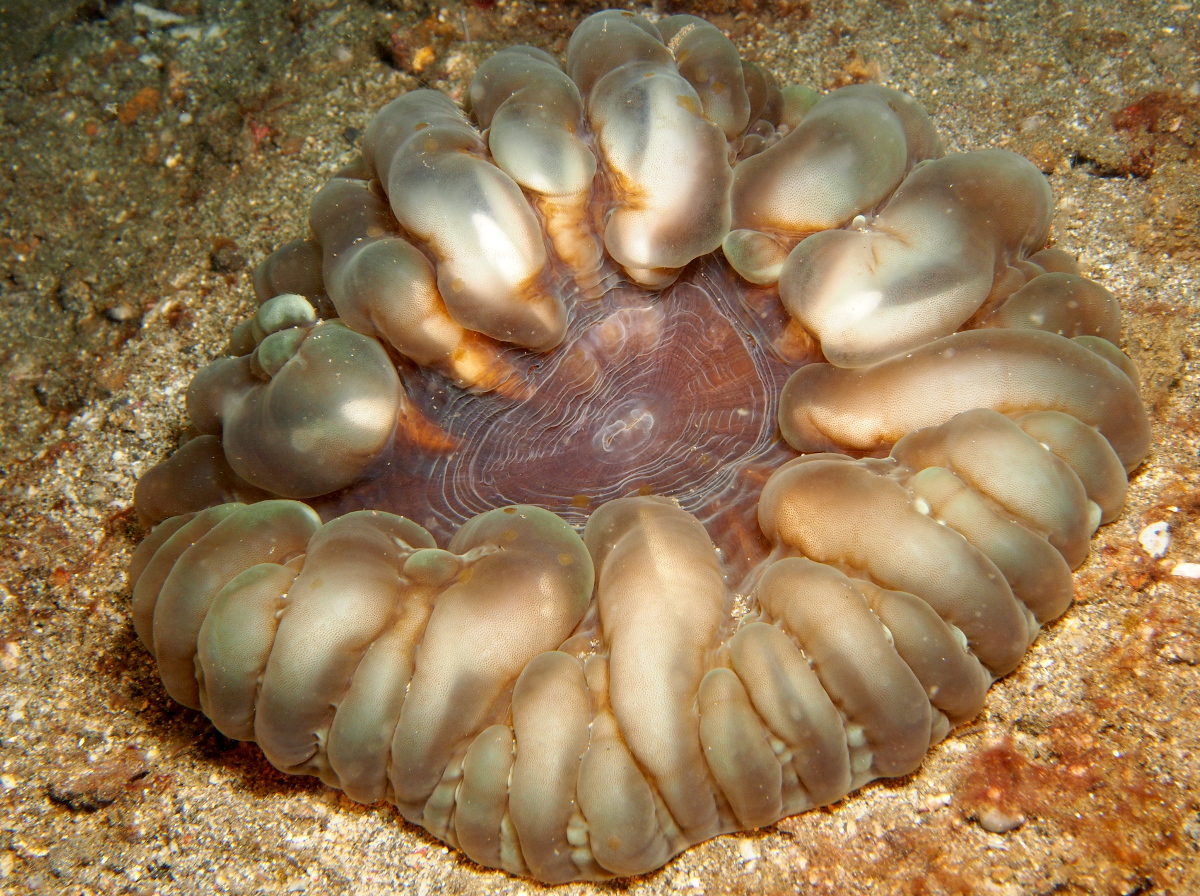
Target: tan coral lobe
{"type": "Point", "coordinates": [925, 263]}
{"type": "Point", "coordinates": [549, 580]}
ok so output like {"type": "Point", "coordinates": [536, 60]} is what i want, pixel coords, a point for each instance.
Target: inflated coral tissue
{"type": "Point", "coordinates": [641, 453]}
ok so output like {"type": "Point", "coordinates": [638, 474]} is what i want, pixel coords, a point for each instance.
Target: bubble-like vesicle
{"type": "Point", "coordinates": [667, 164]}
{"type": "Point", "coordinates": [927, 261]}
{"type": "Point", "coordinates": [849, 152]}
{"type": "Point", "coordinates": [314, 419]}
{"type": "Point", "coordinates": [1012, 371]}
{"type": "Point", "coordinates": [533, 113]}
{"type": "Point", "coordinates": [709, 61]}
{"type": "Point", "coordinates": [471, 215]}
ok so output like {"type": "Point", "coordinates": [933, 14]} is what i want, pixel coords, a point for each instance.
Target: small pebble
{"type": "Point", "coordinates": [998, 821]}
{"type": "Point", "coordinates": [1155, 539]}
{"type": "Point", "coordinates": [121, 312]}
{"type": "Point", "coordinates": [1032, 123]}
{"type": "Point", "coordinates": [1187, 570]}
{"type": "Point", "coordinates": [160, 17]}
{"type": "Point", "coordinates": [937, 801]}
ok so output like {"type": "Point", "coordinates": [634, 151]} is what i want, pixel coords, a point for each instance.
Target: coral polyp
{"type": "Point", "coordinates": [642, 453]}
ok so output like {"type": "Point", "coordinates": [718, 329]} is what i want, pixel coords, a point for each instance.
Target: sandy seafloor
{"type": "Point", "coordinates": [148, 165]}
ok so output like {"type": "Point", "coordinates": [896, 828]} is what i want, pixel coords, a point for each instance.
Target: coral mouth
{"type": "Point", "coordinates": [671, 393]}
